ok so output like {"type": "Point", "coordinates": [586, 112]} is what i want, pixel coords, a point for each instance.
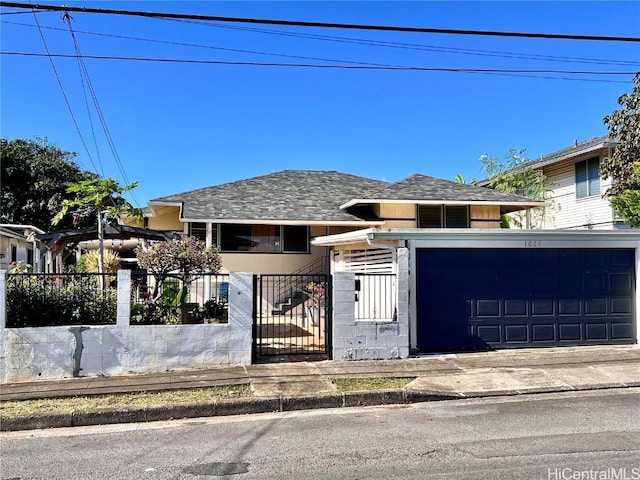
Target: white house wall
{"type": "Point", "coordinates": [566, 210]}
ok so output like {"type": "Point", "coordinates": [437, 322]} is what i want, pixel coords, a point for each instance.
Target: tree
{"type": "Point", "coordinates": [102, 198]}
{"type": "Point", "coordinates": [513, 175]}
{"type": "Point", "coordinates": [186, 259]}
{"type": "Point", "coordinates": [34, 174]}
{"type": "Point", "coordinates": [624, 128]}
{"type": "Point", "coordinates": [627, 204]}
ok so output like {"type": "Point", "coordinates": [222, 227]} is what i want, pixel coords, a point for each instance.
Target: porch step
{"type": "Point", "coordinates": [282, 309]}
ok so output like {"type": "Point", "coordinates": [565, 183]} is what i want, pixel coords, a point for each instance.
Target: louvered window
{"type": "Point", "coordinates": [456, 216]}
{"type": "Point", "coordinates": [429, 216]}
{"type": "Point", "coordinates": [198, 230]}
{"type": "Point", "coordinates": [443, 216]}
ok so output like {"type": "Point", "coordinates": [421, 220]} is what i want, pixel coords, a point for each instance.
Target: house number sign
{"type": "Point", "coordinates": [533, 243]}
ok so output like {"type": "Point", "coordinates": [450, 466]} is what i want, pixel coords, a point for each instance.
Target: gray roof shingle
{"type": "Point", "coordinates": [313, 196]}
{"type": "Point", "coordinates": [288, 195]}
{"type": "Point", "coordinates": [424, 188]}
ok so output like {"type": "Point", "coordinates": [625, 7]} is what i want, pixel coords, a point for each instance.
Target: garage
{"type": "Point", "coordinates": [485, 298]}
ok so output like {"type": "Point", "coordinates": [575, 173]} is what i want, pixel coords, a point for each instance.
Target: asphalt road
{"type": "Point", "coordinates": [550, 436]}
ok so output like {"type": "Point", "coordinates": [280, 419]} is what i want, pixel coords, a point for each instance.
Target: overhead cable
{"type": "Point", "coordinates": [84, 73]}
{"type": "Point", "coordinates": [64, 95]}
{"type": "Point", "coordinates": [374, 43]}
{"type": "Point", "coordinates": [313, 65]}
{"type": "Point", "coordinates": [299, 23]}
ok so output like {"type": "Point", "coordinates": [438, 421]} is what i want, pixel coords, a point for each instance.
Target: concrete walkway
{"type": "Point", "coordinates": [291, 386]}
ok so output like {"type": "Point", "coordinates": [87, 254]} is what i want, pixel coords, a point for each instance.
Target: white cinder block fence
{"type": "Point", "coordinates": [66, 351]}
{"type": "Point", "coordinates": [33, 353]}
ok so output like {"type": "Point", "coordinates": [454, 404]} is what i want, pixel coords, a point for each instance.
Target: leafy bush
{"type": "Point", "coordinates": [47, 300]}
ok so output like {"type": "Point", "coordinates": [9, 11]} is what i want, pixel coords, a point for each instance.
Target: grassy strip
{"type": "Point", "coordinates": [122, 400]}
{"type": "Point", "coordinates": [352, 384]}
{"type": "Point", "coordinates": [145, 399]}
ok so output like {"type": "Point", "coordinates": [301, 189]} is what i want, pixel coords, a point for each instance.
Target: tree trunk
{"type": "Point", "coordinates": [101, 249]}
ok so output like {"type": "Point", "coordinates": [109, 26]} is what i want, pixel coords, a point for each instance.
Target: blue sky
{"type": "Point", "coordinates": [178, 127]}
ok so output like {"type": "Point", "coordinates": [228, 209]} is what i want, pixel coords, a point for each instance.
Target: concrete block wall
{"type": "Point", "coordinates": [370, 340]}
{"type": "Point", "coordinates": [66, 351]}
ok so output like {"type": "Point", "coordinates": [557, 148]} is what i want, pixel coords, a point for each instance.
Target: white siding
{"type": "Point", "coordinates": [567, 211]}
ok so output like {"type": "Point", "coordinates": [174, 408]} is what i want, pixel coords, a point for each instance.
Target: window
{"type": "Point", "coordinates": [429, 216]}
{"type": "Point", "coordinates": [198, 230]}
{"type": "Point", "coordinates": [14, 253]}
{"type": "Point", "coordinates": [588, 178]}
{"type": "Point", "coordinates": [264, 238]}
{"type": "Point", "coordinates": [456, 216]}
{"type": "Point", "coordinates": [30, 256]}
{"type": "Point", "coordinates": [443, 216]}
{"type": "Point", "coordinates": [295, 238]}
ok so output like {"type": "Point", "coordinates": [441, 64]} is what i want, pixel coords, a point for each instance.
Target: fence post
{"type": "Point", "coordinates": [3, 299]}
{"type": "Point", "coordinates": [403, 301]}
{"type": "Point", "coordinates": [240, 317]}
{"type": "Point", "coordinates": [344, 315]}
{"type": "Point", "coordinates": [123, 315]}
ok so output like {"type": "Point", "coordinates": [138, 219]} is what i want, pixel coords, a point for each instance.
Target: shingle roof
{"type": "Point", "coordinates": [575, 149]}
{"type": "Point", "coordinates": [289, 195]}
{"type": "Point", "coordinates": [424, 188]}
{"type": "Point", "coordinates": [316, 196]}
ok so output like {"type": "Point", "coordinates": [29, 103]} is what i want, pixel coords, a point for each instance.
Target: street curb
{"type": "Point", "coordinates": [245, 406]}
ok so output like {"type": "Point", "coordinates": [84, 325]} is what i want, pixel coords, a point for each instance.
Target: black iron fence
{"type": "Point", "coordinates": [172, 299]}
{"type": "Point", "coordinates": [376, 296]}
{"type": "Point", "coordinates": [48, 299]}
{"type": "Point", "coordinates": [292, 314]}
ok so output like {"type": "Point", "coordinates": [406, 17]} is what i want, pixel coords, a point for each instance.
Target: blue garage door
{"type": "Point", "coordinates": [509, 298]}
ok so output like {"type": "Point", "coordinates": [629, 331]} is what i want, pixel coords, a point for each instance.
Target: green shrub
{"type": "Point", "coordinates": [47, 300]}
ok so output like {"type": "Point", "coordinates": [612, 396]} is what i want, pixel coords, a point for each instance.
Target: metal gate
{"type": "Point", "coordinates": [292, 316]}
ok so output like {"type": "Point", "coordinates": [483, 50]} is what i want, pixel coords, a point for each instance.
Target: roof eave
{"type": "Point", "coordinates": [521, 205]}
{"type": "Point", "coordinates": [258, 221]}
{"type": "Point", "coordinates": [574, 153]}
{"type": "Point", "coordinates": [154, 203]}
{"type": "Point", "coordinates": [545, 161]}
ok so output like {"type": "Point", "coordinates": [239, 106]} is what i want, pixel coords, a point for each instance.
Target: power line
{"type": "Point", "coordinates": [64, 95]}
{"type": "Point", "coordinates": [408, 46]}
{"type": "Point", "coordinates": [16, 13]}
{"type": "Point", "coordinates": [323, 66]}
{"type": "Point", "coordinates": [298, 23]}
{"type": "Point", "coordinates": [211, 47]}
{"type": "Point", "coordinates": [414, 46]}
{"type": "Point", "coordinates": [86, 102]}
{"type": "Point", "coordinates": [85, 73]}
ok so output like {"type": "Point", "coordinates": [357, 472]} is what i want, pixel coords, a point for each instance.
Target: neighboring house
{"type": "Point", "coordinates": [265, 224]}
{"type": "Point", "coordinates": [576, 188]}
{"type": "Point", "coordinates": [18, 243]}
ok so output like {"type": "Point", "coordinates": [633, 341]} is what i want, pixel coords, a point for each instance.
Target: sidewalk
{"type": "Point", "coordinates": [301, 385]}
